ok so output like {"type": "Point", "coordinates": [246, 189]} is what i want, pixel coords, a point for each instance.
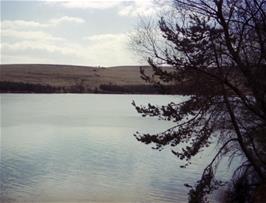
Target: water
{"type": "Point", "coordinates": [81, 148]}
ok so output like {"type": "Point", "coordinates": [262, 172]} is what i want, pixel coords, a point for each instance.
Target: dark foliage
{"type": "Point", "coordinates": [138, 89]}
{"type": "Point", "coordinates": [19, 87]}
{"type": "Point", "coordinates": [181, 88]}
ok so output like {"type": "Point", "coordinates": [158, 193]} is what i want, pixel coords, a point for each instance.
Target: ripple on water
{"type": "Point", "coordinates": [81, 148]}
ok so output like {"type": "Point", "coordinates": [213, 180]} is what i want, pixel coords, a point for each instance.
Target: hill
{"type": "Point", "coordinates": [41, 78]}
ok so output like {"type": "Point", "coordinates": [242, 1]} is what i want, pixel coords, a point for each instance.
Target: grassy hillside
{"type": "Point", "coordinates": [41, 78]}
{"type": "Point", "coordinates": [66, 78]}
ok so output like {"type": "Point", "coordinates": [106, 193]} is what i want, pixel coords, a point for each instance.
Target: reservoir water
{"type": "Point", "coordinates": [81, 148]}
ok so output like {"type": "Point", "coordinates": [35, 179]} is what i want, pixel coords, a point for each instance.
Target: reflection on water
{"type": "Point", "coordinates": [81, 148]}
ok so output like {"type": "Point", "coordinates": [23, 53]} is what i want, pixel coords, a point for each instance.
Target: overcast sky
{"type": "Point", "coordinates": [88, 32]}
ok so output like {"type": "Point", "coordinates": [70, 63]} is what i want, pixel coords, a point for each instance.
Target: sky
{"type": "Point", "coordinates": [75, 32]}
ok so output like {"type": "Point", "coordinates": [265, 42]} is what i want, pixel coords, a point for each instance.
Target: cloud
{"type": "Point", "coordinates": [28, 35]}
{"type": "Point", "coordinates": [22, 37]}
{"type": "Point", "coordinates": [66, 19]}
{"type": "Point", "coordinates": [91, 4]}
{"type": "Point", "coordinates": [106, 37]}
{"type": "Point", "coordinates": [16, 24]}
{"type": "Point", "coordinates": [139, 8]}
{"type": "Point", "coordinates": [131, 8]}
{"type": "Point", "coordinates": [101, 49]}
{"type": "Point", "coordinates": [40, 52]}
{"type": "Point", "coordinates": [19, 24]}
{"type": "Point", "coordinates": [11, 59]}
{"type": "Point", "coordinates": [109, 49]}
{"type": "Point", "coordinates": [145, 8]}
{"type": "Point", "coordinates": [85, 4]}
{"type": "Point", "coordinates": [23, 46]}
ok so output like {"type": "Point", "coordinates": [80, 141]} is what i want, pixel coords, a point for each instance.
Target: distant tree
{"type": "Point", "coordinates": [222, 42]}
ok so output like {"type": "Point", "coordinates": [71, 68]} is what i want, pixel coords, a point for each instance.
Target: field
{"type": "Point", "coordinates": [66, 78]}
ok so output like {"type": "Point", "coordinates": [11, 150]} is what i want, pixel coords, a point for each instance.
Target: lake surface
{"type": "Point", "coordinates": [81, 148]}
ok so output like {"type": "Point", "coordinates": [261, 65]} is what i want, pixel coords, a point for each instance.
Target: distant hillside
{"type": "Point", "coordinates": [40, 78]}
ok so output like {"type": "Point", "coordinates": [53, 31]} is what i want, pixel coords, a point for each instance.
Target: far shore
{"type": "Point", "coordinates": [50, 78]}
{"type": "Point", "coordinates": [46, 78]}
